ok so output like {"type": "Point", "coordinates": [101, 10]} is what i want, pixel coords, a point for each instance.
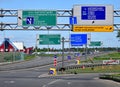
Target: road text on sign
{"type": "Point", "coordinates": [78, 39]}
{"type": "Point", "coordinates": [93, 12]}
{"type": "Point", "coordinates": [51, 39]}
{"type": "Point", "coordinates": [93, 28]}
{"type": "Point", "coordinates": [95, 43]}
{"type": "Point", "coordinates": [37, 18]}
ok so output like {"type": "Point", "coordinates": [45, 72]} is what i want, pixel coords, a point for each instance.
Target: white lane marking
{"type": "Point", "coordinates": [53, 82]}
{"type": "Point", "coordinates": [44, 86]}
{"type": "Point", "coordinates": [36, 69]}
{"type": "Point", "coordinates": [96, 78]}
{"type": "Point", "coordinates": [50, 83]}
{"type": "Point", "coordinates": [43, 75]}
{"type": "Point", "coordinates": [69, 83]}
{"type": "Point", "coordinates": [11, 82]}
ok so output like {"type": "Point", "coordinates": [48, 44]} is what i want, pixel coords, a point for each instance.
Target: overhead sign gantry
{"type": "Point", "coordinates": [74, 18]}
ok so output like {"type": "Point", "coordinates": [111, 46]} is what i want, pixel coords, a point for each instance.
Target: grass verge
{"type": "Point", "coordinates": [29, 57]}
{"type": "Point", "coordinates": [114, 77]}
{"type": "Point", "coordinates": [98, 69]}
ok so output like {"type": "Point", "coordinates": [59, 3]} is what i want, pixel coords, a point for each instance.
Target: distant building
{"type": "Point", "coordinates": [19, 45]}
{"type": "Point", "coordinates": [28, 50]}
{"type": "Point", "coordinates": [8, 46]}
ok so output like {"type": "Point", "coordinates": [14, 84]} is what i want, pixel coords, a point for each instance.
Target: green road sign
{"type": "Point", "coordinates": [95, 43]}
{"type": "Point", "coordinates": [51, 39]}
{"type": "Point", "coordinates": [38, 17]}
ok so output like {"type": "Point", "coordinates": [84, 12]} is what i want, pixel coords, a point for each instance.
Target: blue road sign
{"type": "Point", "coordinates": [69, 57]}
{"type": "Point", "coordinates": [93, 12]}
{"type": "Point", "coordinates": [51, 72]}
{"type": "Point", "coordinates": [78, 54]}
{"type": "Point", "coordinates": [55, 56]}
{"type": "Point", "coordinates": [30, 20]}
{"type": "Point", "coordinates": [73, 20]}
{"type": "Point", "coordinates": [78, 39]}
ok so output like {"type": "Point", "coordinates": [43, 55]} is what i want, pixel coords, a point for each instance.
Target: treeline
{"type": "Point", "coordinates": [77, 49]}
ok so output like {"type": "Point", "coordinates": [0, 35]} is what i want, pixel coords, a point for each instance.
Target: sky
{"type": "Point", "coordinates": [29, 37]}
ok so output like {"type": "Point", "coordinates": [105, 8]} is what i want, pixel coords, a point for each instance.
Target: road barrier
{"type": "Point", "coordinates": [85, 66]}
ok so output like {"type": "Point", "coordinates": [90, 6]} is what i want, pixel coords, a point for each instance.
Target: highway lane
{"type": "Point", "coordinates": [38, 77]}
{"type": "Point", "coordinates": [42, 61]}
{"type": "Point", "coordinates": [81, 80]}
{"type": "Point", "coordinates": [32, 79]}
{"type": "Point", "coordinates": [24, 78]}
{"type": "Point", "coordinates": [39, 61]}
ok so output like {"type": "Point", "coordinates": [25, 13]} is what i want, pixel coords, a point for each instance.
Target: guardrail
{"type": "Point", "coordinates": [85, 65]}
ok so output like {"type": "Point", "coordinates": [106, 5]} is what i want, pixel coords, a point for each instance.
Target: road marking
{"type": "Point", "coordinates": [96, 78]}
{"type": "Point", "coordinates": [43, 75]}
{"type": "Point", "coordinates": [11, 82]}
{"type": "Point", "coordinates": [44, 86]}
{"type": "Point", "coordinates": [50, 83]}
{"type": "Point", "coordinates": [36, 69]}
{"type": "Point", "coordinates": [69, 83]}
{"type": "Point", "coordinates": [47, 75]}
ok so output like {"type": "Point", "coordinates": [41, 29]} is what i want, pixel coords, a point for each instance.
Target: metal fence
{"type": "Point", "coordinates": [11, 56]}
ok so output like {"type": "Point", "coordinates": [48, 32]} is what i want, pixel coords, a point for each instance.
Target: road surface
{"type": "Point", "coordinates": [38, 77]}
{"type": "Point", "coordinates": [12, 76]}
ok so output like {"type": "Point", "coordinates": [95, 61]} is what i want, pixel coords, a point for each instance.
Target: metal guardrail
{"type": "Point", "coordinates": [85, 65]}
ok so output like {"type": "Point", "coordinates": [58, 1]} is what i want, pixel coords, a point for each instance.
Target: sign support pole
{"type": "Point", "coordinates": [86, 52]}
{"type": "Point", "coordinates": [63, 39]}
{"type": "Point", "coordinates": [36, 44]}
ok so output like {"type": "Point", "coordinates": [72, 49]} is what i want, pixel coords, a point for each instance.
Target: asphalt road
{"type": "Point", "coordinates": [38, 77]}
{"type": "Point", "coordinates": [12, 76]}
{"type": "Point", "coordinates": [42, 61]}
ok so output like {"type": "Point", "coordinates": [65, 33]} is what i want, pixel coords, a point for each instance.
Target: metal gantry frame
{"type": "Point", "coordinates": [60, 14]}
